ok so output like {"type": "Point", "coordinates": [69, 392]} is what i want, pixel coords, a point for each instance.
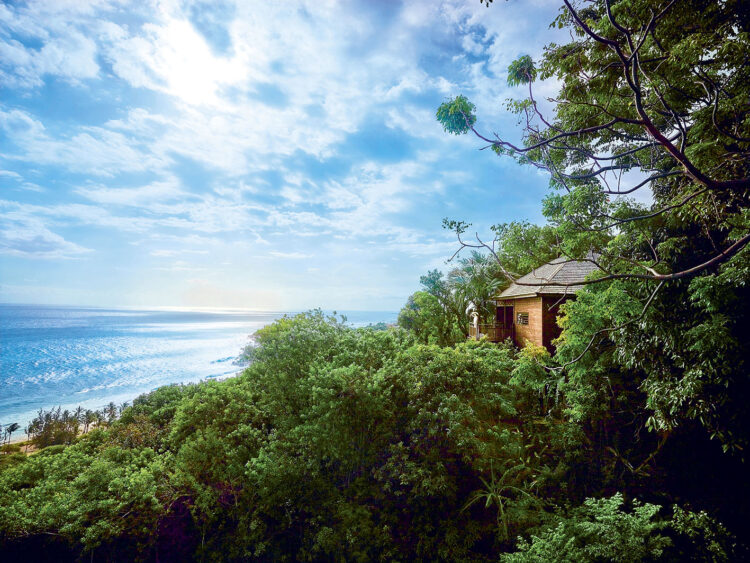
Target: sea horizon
{"type": "Point", "coordinates": [75, 355]}
{"type": "Point", "coordinates": [189, 308]}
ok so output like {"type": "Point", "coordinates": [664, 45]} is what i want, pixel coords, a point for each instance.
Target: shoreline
{"type": "Point", "coordinates": [71, 407]}
{"type": "Point", "coordinates": [121, 356]}
{"type": "Point", "coordinates": [15, 440]}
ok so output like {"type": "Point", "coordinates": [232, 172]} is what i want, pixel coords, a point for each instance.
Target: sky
{"type": "Point", "coordinates": [251, 154]}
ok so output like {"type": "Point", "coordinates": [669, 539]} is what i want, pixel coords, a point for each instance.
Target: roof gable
{"type": "Point", "coordinates": [559, 272]}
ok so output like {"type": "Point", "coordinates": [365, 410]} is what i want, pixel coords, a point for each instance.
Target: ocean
{"type": "Point", "coordinates": [68, 356]}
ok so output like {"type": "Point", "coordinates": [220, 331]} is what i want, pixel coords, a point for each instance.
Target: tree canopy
{"type": "Point", "coordinates": [652, 99]}
{"type": "Point", "coordinates": [652, 102]}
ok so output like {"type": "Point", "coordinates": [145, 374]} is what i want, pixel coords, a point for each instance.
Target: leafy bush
{"type": "Point", "coordinates": [10, 448]}
{"type": "Point", "coordinates": [603, 530]}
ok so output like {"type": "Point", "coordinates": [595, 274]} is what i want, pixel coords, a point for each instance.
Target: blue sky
{"type": "Point", "coordinates": [262, 155]}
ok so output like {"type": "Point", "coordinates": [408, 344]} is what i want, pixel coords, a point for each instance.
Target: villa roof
{"type": "Point", "coordinates": [559, 271]}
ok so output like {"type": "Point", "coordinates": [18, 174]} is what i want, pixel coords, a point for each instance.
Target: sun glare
{"type": "Point", "coordinates": [189, 69]}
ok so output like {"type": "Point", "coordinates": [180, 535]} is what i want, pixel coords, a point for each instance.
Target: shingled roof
{"type": "Point", "coordinates": [559, 271]}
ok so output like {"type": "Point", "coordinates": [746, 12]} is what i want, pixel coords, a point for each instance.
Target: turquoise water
{"type": "Point", "coordinates": [70, 356]}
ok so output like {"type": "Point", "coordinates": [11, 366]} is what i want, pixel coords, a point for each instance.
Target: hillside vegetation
{"type": "Point", "coordinates": [343, 444]}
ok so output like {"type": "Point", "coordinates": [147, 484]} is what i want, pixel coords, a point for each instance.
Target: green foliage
{"type": "Point", "coordinates": [521, 71]}
{"type": "Point", "coordinates": [604, 530]}
{"type": "Point", "coordinates": [290, 344]}
{"type": "Point", "coordinates": [441, 313]}
{"type": "Point", "coordinates": [425, 317]}
{"type": "Point", "coordinates": [340, 444]}
{"type": "Point", "coordinates": [453, 303]}
{"type": "Point", "coordinates": [330, 441]}
{"type": "Point", "coordinates": [645, 373]}
{"type": "Point", "coordinates": [11, 458]}
{"type": "Point", "coordinates": [10, 448]}
{"type": "Point", "coordinates": [521, 246]}
{"type": "Point", "coordinates": [415, 444]}
{"type": "Point", "coordinates": [457, 115]}
{"type": "Point", "coordinates": [89, 496]}
{"type": "Point", "coordinates": [412, 443]}
{"type": "Point", "coordinates": [476, 280]}
{"type": "Point", "coordinates": [500, 490]}
{"type": "Point", "coordinates": [53, 427]}
{"type": "Point", "coordinates": [160, 405]}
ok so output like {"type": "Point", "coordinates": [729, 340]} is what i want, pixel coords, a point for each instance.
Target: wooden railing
{"type": "Point", "coordinates": [494, 333]}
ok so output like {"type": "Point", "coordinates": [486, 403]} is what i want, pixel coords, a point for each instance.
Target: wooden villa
{"type": "Point", "coordinates": [528, 313]}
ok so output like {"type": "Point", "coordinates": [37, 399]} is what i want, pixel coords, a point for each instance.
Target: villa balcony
{"type": "Point", "coordinates": [493, 332]}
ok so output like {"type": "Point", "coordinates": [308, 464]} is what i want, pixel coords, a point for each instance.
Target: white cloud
{"type": "Point", "coordinates": [218, 117]}
{"type": "Point", "coordinates": [28, 237]}
{"type": "Point", "coordinates": [72, 56]}
{"type": "Point", "coordinates": [167, 253]}
{"type": "Point", "coordinates": [67, 52]}
{"type": "Point", "coordinates": [179, 266]}
{"type": "Point", "coordinates": [93, 150]}
{"type": "Point", "coordinates": [415, 121]}
{"type": "Point", "coordinates": [174, 58]}
{"type": "Point", "coordinates": [137, 197]}
{"type": "Point", "coordinates": [290, 255]}
{"type": "Point", "coordinates": [189, 149]}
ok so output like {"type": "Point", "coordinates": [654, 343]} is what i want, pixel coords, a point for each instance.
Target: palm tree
{"type": "Point", "coordinates": [477, 280]}
{"type": "Point", "coordinates": [10, 428]}
{"type": "Point", "coordinates": [499, 490]}
{"type": "Point", "coordinates": [95, 419]}
{"type": "Point", "coordinates": [111, 412]}
{"type": "Point", "coordinates": [452, 301]}
{"type": "Point", "coordinates": [89, 417]}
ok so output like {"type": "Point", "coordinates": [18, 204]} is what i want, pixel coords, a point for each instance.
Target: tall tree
{"type": "Point", "coordinates": [652, 103]}
{"type": "Point", "coordinates": [477, 281]}
{"type": "Point", "coordinates": [11, 428]}
{"type": "Point", "coordinates": [653, 99]}
{"type": "Point", "coordinates": [424, 316]}
{"type": "Point", "coordinates": [453, 303]}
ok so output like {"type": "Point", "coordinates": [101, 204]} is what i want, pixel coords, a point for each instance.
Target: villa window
{"type": "Point", "coordinates": [522, 319]}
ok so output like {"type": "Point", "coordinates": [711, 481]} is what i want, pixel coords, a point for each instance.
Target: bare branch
{"type": "Point", "coordinates": [618, 222]}
{"type": "Point", "coordinates": [716, 260]}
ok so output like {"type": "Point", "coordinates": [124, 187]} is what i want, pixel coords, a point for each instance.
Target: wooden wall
{"type": "Point", "coordinates": [542, 328]}
{"type": "Point", "coordinates": [533, 331]}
